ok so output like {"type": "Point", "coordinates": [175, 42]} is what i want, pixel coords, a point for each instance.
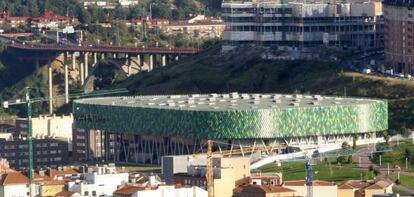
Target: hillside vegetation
{"type": "Point", "coordinates": [245, 71]}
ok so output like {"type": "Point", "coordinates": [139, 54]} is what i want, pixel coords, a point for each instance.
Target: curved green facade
{"type": "Point", "coordinates": [236, 123]}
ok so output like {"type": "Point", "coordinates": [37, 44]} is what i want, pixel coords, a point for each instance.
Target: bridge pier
{"type": "Point", "coordinates": [102, 56]}
{"type": "Point", "coordinates": [65, 65]}
{"type": "Point", "coordinates": [129, 62]}
{"type": "Point", "coordinates": [50, 76]}
{"type": "Point", "coordinates": [163, 60]}
{"type": "Point", "coordinates": [86, 73]}
{"type": "Point", "coordinates": [81, 74]}
{"type": "Point", "coordinates": [151, 62]}
{"type": "Point", "coordinates": [73, 61]}
{"type": "Point", "coordinates": [95, 59]}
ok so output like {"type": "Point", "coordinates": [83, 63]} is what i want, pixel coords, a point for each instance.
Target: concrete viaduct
{"type": "Point", "coordinates": [94, 53]}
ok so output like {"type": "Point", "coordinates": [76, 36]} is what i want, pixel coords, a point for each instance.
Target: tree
{"type": "Point", "coordinates": [349, 159]}
{"type": "Point", "coordinates": [33, 8]}
{"type": "Point", "coordinates": [397, 182]}
{"type": "Point", "coordinates": [85, 17]}
{"type": "Point", "coordinates": [177, 14]}
{"type": "Point", "coordinates": [354, 141]}
{"type": "Point", "coordinates": [345, 146]}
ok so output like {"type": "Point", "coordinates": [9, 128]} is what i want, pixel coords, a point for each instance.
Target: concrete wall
{"type": "Point", "coordinates": [14, 190]}
{"type": "Point", "coordinates": [346, 193]}
{"type": "Point", "coordinates": [170, 191]}
{"type": "Point", "coordinates": [331, 191]}
{"type": "Point", "coordinates": [372, 192]}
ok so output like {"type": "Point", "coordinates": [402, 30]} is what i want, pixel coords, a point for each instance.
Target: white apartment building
{"type": "Point", "coordinates": [99, 181]}
{"type": "Point", "coordinates": [128, 3]}
{"type": "Point", "coordinates": [299, 23]}
{"type": "Point", "coordinates": [48, 127]}
{"type": "Point", "coordinates": [160, 191]}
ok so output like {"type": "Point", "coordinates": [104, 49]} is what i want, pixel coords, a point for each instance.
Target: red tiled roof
{"type": "Point", "coordinates": [14, 178]}
{"type": "Point", "coordinates": [67, 171]}
{"type": "Point", "coordinates": [314, 183]}
{"type": "Point", "coordinates": [345, 186]}
{"type": "Point", "coordinates": [265, 188]}
{"type": "Point", "coordinates": [364, 185]}
{"type": "Point", "coordinates": [49, 16]}
{"type": "Point", "coordinates": [128, 190]}
{"type": "Point", "coordinates": [64, 194]}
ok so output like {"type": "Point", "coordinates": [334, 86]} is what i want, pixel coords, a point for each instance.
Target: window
{"type": "Point", "coordinates": [86, 193]}
{"type": "Point", "coordinates": [93, 193]}
{"type": "Point", "coordinates": [54, 144]}
{"type": "Point", "coordinates": [23, 146]}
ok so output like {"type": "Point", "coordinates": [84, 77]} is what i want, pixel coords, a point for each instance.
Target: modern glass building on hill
{"type": "Point", "coordinates": [143, 128]}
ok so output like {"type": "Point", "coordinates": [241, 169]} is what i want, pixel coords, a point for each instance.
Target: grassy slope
{"type": "Point", "coordinates": [396, 156]}
{"type": "Point", "coordinates": [296, 171]}
{"type": "Point", "coordinates": [245, 71]}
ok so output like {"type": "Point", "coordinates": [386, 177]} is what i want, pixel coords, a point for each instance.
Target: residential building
{"type": "Point", "coordinates": [102, 4]}
{"type": "Point", "coordinates": [399, 35]}
{"type": "Point", "coordinates": [199, 25]}
{"type": "Point", "coordinates": [297, 23]}
{"type": "Point", "coordinates": [266, 179]}
{"type": "Point", "coordinates": [47, 182]}
{"type": "Point", "coordinates": [253, 190]}
{"type": "Point", "coordinates": [14, 184]}
{"type": "Point", "coordinates": [6, 19]}
{"type": "Point", "coordinates": [49, 21]}
{"type": "Point", "coordinates": [160, 191]}
{"type": "Point", "coordinates": [147, 24]}
{"type": "Point", "coordinates": [320, 188]}
{"type": "Point", "coordinates": [189, 170]}
{"type": "Point", "coordinates": [98, 181]}
{"type": "Point", "coordinates": [47, 152]}
{"type": "Point", "coordinates": [364, 188]}
{"type": "Point", "coordinates": [128, 3]}
{"type": "Point", "coordinates": [47, 126]}
{"type": "Point", "coordinates": [93, 145]}
{"type": "Point", "coordinates": [7, 128]}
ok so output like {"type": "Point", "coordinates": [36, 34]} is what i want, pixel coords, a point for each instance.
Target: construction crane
{"type": "Point", "coordinates": [210, 175]}
{"type": "Point", "coordinates": [311, 160]}
{"type": "Point", "coordinates": [29, 101]}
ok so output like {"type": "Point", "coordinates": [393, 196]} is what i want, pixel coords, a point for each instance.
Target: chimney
{"type": "Point", "coordinates": [41, 172]}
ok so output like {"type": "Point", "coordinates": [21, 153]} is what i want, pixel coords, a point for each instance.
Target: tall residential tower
{"type": "Point", "coordinates": [298, 23]}
{"type": "Point", "coordinates": [399, 35]}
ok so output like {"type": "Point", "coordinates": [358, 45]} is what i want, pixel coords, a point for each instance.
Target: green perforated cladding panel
{"type": "Point", "coordinates": [235, 123]}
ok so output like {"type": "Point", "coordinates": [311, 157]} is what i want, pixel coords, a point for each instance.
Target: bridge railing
{"type": "Point", "coordinates": [101, 48]}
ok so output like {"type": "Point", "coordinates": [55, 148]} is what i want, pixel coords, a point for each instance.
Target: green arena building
{"type": "Point", "coordinates": [141, 129]}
